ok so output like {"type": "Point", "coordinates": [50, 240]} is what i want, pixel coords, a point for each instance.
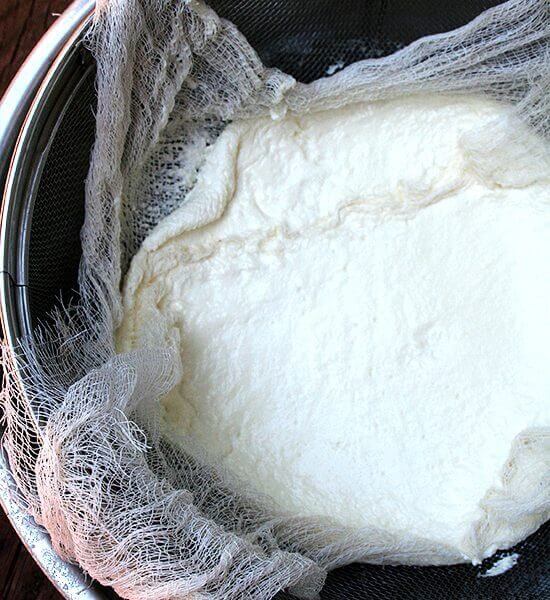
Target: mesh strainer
{"type": "Point", "coordinates": [308, 39]}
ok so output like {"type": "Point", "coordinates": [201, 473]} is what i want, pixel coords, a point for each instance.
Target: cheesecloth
{"type": "Point", "coordinates": [145, 514]}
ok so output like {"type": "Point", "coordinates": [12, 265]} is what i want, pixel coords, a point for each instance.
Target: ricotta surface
{"type": "Point", "coordinates": [360, 298]}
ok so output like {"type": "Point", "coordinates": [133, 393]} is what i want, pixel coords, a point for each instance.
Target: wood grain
{"type": "Point", "coordinates": [22, 23]}
{"type": "Point", "coordinates": [20, 577]}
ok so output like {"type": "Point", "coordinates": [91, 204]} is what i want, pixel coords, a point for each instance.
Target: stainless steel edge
{"type": "Point", "coordinates": [39, 73]}
{"type": "Point", "coordinates": [20, 93]}
{"type": "Point", "coordinates": [69, 580]}
{"type": "Point", "coordinates": [17, 109]}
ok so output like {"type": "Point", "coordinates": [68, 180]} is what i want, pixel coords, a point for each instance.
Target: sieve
{"type": "Point", "coordinates": [48, 142]}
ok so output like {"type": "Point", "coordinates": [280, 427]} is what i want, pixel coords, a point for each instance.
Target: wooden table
{"type": "Point", "coordinates": [22, 23]}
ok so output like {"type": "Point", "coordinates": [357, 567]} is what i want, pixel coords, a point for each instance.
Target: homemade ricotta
{"type": "Point", "coordinates": [361, 302]}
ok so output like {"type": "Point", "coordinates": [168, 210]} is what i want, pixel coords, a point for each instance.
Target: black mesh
{"type": "Point", "coordinates": [58, 212]}
{"type": "Point", "coordinates": [305, 37]}
{"type": "Point", "coordinates": [302, 37]}
{"type": "Point", "coordinates": [529, 579]}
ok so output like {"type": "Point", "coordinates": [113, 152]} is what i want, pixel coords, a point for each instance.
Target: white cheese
{"type": "Point", "coordinates": [361, 300]}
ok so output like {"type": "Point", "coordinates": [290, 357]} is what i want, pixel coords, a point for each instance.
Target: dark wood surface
{"type": "Point", "coordinates": [20, 577]}
{"type": "Point", "coordinates": [22, 23]}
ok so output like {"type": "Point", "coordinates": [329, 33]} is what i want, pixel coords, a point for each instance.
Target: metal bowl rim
{"type": "Point", "coordinates": [21, 108]}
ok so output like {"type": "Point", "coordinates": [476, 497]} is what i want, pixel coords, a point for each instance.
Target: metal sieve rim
{"type": "Point", "coordinates": [15, 279]}
{"type": "Point", "coordinates": [24, 111]}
